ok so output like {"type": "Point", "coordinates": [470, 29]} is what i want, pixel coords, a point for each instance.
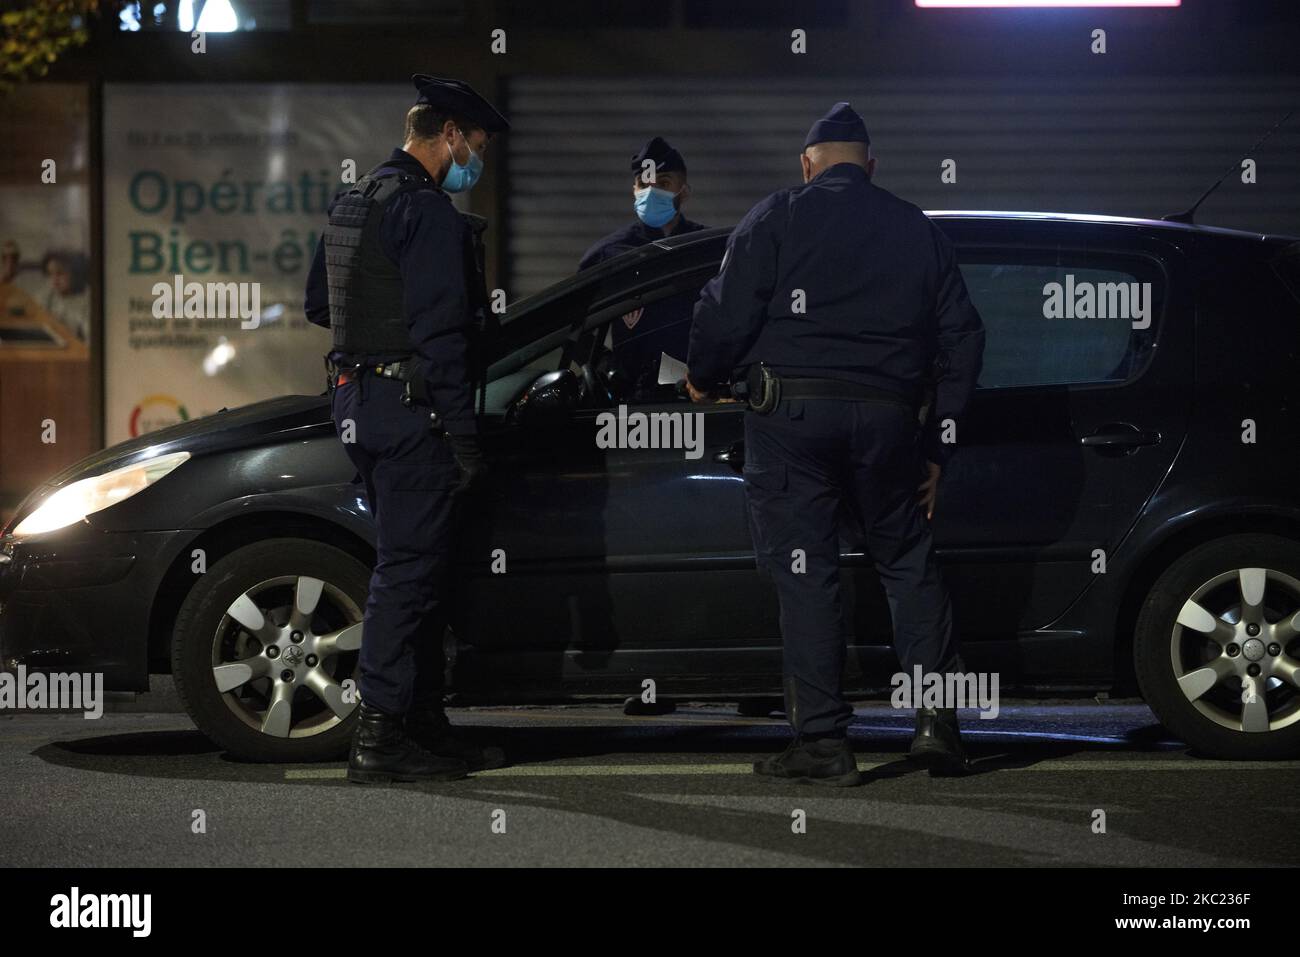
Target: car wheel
{"type": "Point", "coordinates": [263, 645]}
{"type": "Point", "coordinates": [1216, 649]}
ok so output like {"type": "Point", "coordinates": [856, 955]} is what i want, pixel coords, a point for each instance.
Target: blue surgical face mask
{"type": "Point", "coordinates": [460, 179]}
{"type": "Point", "coordinates": [654, 206]}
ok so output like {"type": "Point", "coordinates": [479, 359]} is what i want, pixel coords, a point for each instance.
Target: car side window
{"type": "Point", "coordinates": [638, 342]}
{"type": "Point", "coordinates": [1063, 317]}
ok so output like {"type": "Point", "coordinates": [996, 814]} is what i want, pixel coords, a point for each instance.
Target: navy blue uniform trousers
{"type": "Point", "coordinates": [409, 474]}
{"type": "Point", "coordinates": [806, 463]}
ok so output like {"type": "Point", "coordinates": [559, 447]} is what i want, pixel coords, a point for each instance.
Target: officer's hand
{"type": "Point", "coordinates": [929, 488]}
{"type": "Point", "coordinates": [695, 394]}
{"type": "Point", "coordinates": [469, 457]}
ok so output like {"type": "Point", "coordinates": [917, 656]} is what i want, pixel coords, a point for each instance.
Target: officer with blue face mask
{"type": "Point", "coordinates": [395, 280]}
{"type": "Point", "coordinates": [659, 191]}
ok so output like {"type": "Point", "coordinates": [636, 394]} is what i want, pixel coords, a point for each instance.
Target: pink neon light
{"type": "Point", "coordinates": [1048, 3]}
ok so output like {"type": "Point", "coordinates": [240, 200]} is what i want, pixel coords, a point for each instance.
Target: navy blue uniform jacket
{"type": "Point", "coordinates": [426, 237]}
{"type": "Point", "coordinates": [631, 236]}
{"type": "Point", "coordinates": [878, 285]}
{"type": "Point", "coordinates": [662, 326]}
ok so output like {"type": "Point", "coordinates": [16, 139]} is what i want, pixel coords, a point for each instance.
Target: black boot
{"type": "Point", "coordinates": [827, 761]}
{"type": "Point", "coordinates": [382, 752]}
{"type": "Point", "coordinates": [937, 742]}
{"type": "Point", "coordinates": [429, 728]}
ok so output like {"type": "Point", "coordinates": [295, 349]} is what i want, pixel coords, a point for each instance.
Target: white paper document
{"type": "Point", "coordinates": [671, 371]}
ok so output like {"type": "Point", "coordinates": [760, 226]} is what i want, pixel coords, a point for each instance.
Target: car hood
{"type": "Point", "coordinates": [249, 425]}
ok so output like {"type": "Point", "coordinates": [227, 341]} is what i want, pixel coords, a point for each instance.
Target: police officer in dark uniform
{"type": "Point", "coordinates": [390, 278]}
{"type": "Point", "coordinates": [659, 191]}
{"type": "Point", "coordinates": [837, 299]}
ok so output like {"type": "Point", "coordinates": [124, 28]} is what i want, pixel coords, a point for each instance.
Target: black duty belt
{"type": "Point", "coordinates": [399, 369]}
{"type": "Point", "coordinates": [342, 373]}
{"type": "Point", "coordinates": [764, 390]}
{"type": "Point", "coordinates": [838, 389]}
{"type": "Point", "coordinates": [406, 371]}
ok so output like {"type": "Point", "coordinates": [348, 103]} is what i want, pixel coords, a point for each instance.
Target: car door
{"type": "Point", "coordinates": [596, 567]}
{"type": "Point", "coordinates": [1076, 419]}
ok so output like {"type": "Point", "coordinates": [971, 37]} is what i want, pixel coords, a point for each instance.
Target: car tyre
{"type": "Point", "coordinates": [283, 667]}
{"type": "Point", "coordinates": [1226, 606]}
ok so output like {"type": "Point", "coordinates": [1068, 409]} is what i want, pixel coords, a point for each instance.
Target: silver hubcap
{"type": "Point", "coordinates": [281, 635]}
{"type": "Point", "coordinates": [1231, 651]}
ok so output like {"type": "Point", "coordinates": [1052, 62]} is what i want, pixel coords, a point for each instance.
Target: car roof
{"type": "Point", "coordinates": [999, 215]}
{"type": "Point", "coordinates": [1099, 219]}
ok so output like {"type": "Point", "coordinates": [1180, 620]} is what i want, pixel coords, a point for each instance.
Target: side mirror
{"type": "Point", "coordinates": [549, 400]}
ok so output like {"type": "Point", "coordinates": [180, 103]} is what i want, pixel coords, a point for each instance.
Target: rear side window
{"type": "Point", "coordinates": [1060, 317]}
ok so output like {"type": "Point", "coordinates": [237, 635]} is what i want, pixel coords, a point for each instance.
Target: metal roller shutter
{"type": "Point", "coordinates": [1134, 146]}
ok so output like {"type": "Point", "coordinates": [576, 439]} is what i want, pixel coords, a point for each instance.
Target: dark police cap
{"type": "Point", "coordinates": [666, 159]}
{"type": "Point", "coordinates": [458, 99]}
{"type": "Point", "coordinates": [841, 125]}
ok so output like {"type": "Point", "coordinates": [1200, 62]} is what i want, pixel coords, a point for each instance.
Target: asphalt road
{"type": "Point", "coordinates": [591, 786]}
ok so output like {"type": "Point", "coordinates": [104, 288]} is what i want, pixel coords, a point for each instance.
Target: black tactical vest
{"type": "Point", "coordinates": [365, 286]}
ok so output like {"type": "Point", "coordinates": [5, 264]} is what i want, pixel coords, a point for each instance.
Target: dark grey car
{"type": "Point", "coordinates": [1122, 512]}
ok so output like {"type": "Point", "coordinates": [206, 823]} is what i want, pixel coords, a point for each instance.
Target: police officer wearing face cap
{"type": "Point", "coordinates": [838, 300]}
{"type": "Point", "coordinates": [392, 280]}
{"type": "Point", "coordinates": [659, 191]}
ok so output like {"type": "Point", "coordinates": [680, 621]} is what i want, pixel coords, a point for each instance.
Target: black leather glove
{"type": "Point", "coordinates": [469, 457]}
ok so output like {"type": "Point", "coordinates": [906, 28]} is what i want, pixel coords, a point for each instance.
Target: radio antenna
{"type": "Point", "coordinates": [1189, 215]}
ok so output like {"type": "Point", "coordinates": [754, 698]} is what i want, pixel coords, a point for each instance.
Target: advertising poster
{"type": "Point", "coordinates": [214, 198]}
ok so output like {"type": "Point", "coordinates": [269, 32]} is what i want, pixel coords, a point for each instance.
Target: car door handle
{"type": "Point", "coordinates": [1120, 435]}
{"type": "Point", "coordinates": [733, 455]}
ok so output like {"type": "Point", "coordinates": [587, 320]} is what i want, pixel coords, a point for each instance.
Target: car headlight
{"type": "Point", "coordinates": [84, 497]}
